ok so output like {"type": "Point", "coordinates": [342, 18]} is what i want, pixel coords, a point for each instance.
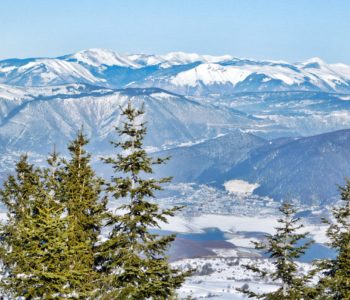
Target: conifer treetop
{"type": "Point", "coordinates": [335, 283]}
{"type": "Point", "coordinates": [284, 247]}
{"type": "Point", "coordinates": [134, 256]}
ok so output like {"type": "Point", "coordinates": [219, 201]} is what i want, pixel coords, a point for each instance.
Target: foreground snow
{"type": "Point", "coordinates": [219, 277]}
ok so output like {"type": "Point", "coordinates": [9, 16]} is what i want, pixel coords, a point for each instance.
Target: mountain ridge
{"type": "Point", "coordinates": [179, 72]}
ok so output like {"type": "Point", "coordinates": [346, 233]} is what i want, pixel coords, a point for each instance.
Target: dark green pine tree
{"type": "Point", "coordinates": [33, 245]}
{"type": "Point", "coordinates": [17, 193]}
{"type": "Point", "coordinates": [132, 257]}
{"type": "Point", "coordinates": [284, 247]}
{"type": "Point", "coordinates": [86, 209]}
{"type": "Point", "coordinates": [335, 284]}
{"type": "Point", "coordinates": [55, 216]}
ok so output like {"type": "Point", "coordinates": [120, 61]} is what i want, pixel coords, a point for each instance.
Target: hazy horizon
{"type": "Point", "coordinates": [270, 30]}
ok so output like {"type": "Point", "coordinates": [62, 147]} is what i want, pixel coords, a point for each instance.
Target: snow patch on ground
{"type": "Point", "coordinates": [238, 186]}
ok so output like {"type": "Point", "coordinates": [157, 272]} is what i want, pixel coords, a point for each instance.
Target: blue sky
{"type": "Point", "coordinates": [291, 30]}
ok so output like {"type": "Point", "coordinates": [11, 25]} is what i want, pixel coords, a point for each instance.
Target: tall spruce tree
{"type": "Point", "coordinates": [284, 248]}
{"type": "Point", "coordinates": [335, 284]}
{"type": "Point", "coordinates": [17, 194]}
{"type": "Point", "coordinates": [86, 209]}
{"type": "Point", "coordinates": [133, 258]}
{"type": "Point", "coordinates": [55, 216]}
{"type": "Point", "coordinates": [33, 245]}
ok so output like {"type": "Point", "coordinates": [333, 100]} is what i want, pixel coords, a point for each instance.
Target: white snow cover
{"type": "Point", "coordinates": [50, 69]}
{"type": "Point", "coordinates": [234, 224]}
{"type": "Point", "coordinates": [224, 274]}
{"type": "Point", "coordinates": [210, 73]}
{"type": "Point", "coordinates": [176, 58]}
{"type": "Point", "coordinates": [332, 74]}
{"type": "Point", "coordinates": [225, 69]}
{"type": "Point", "coordinates": [10, 93]}
{"type": "Point", "coordinates": [7, 69]}
{"type": "Point", "coordinates": [226, 223]}
{"type": "Point", "coordinates": [240, 186]}
{"type": "Point", "coordinates": [98, 57]}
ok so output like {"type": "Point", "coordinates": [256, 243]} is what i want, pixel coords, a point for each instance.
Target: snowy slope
{"type": "Point", "coordinates": [100, 57]}
{"type": "Point", "coordinates": [296, 113]}
{"type": "Point", "coordinates": [203, 162]}
{"type": "Point", "coordinates": [37, 124]}
{"type": "Point", "coordinates": [308, 169]}
{"type": "Point", "coordinates": [175, 58]}
{"type": "Point", "coordinates": [247, 75]}
{"type": "Point", "coordinates": [45, 71]}
{"type": "Point", "coordinates": [335, 76]}
{"type": "Point", "coordinates": [8, 92]}
{"type": "Point", "coordinates": [12, 98]}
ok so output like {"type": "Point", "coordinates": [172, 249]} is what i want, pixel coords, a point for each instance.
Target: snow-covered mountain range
{"type": "Point", "coordinates": [33, 119]}
{"type": "Point", "coordinates": [216, 115]}
{"type": "Point", "coordinates": [189, 74]}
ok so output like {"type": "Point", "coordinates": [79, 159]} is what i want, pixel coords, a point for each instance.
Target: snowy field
{"type": "Point", "coordinates": [218, 278]}
{"type": "Point", "coordinates": [237, 225]}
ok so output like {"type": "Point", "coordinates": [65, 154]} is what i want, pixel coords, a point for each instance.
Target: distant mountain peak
{"type": "Point", "coordinates": [97, 57]}
{"type": "Point", "coordinates": [313, 63]}
{"type": "Point", "coordinates": [194, 57]}
{"type": "Point", "coordinates": [176, 58]}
